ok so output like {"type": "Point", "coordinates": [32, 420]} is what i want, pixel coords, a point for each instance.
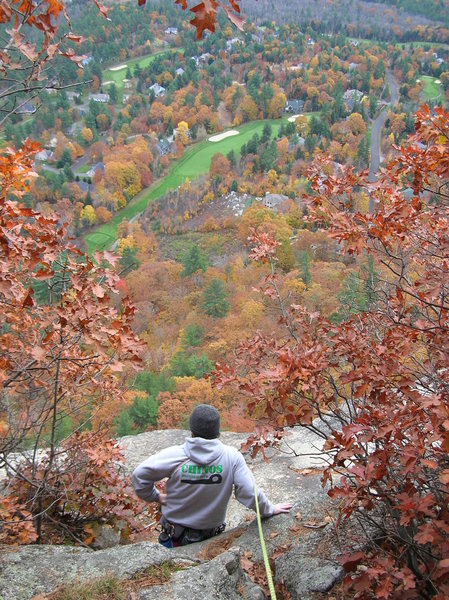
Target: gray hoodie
{"type": "Point", "coordinates": [202, 473]}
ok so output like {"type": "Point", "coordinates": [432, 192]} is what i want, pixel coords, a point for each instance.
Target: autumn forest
{"type": "Point", "coordinates": [217, 206]}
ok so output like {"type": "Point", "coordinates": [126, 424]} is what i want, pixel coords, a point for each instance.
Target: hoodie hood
{"type": "Point", "coordinates": [202, 451]}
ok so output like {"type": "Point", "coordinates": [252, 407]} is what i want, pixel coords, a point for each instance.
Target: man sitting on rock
{"type": "Point", "coordinates": [201, 474]}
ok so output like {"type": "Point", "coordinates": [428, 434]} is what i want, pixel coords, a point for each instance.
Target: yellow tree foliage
{"type": "Point", "coordinates": [357, 124]}
{"type": "Point", "coordinates": [124, 243]}
{"type": "Point", "coordinates": [259, 217]}
{"type": "Point", "coordinates": [123, 177]}
{"type": "Point", "coordinates": [251, 312]}
{"type": "Point", "coordinates": [87, 135]}
{"type": "Point", "coordinates": [302, 125]}
{"type": "Point", "coordinates": [249, 108]}
{"type": "Point", "coordinates": [88, 216]}
{"type": "Point", "coordinates": [181, 132]}
{"type": "Point", "coordinates": [102, 121]}
{"type": "Point", "coordinates": [276, 105]}
{"type": "Point", "coordinates": [61, 145]}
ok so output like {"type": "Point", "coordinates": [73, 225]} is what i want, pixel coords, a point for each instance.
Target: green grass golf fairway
{"type": "Point", "coordinates": [143, 61]}
{"type": "Point", "coordinates": [431, 90]}
{"type": "Point", "coordinates": [194, 162]}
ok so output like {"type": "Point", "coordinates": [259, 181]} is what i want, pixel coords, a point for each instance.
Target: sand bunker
{"type": "Point", "coordinates": [119, 68]}
{"type": "Point", "coordinates": [293, 118]}
{"type": "Point", "coordinates": [107, 82]}
{"type": "Point", "coordinates": [437, 81]}
{"type": "Point", "coordinates": [223, 136]}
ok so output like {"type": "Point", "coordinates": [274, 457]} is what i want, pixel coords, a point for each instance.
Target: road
{"type": "Point", "coordinates": [376, 132]}
{"type": "Point", "coordinates": [378, 123]}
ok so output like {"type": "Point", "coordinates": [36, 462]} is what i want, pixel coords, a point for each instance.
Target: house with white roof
{"type": "Point", "coordinates": [158, 90]}
{"type": "Point", "coordinates": [102, 98]}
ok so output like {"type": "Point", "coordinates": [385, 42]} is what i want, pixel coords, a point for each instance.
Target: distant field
{"type": "Point", "coordinates": [402, 44]}
{"type": "Point", "coordinates": [431, 90]}
{"type": "Point", "coordinates": [422, 44]}
{"type": "Point", "coordinates": [195, 162]}
{"type": "Point", "coordinates": [143, 61]}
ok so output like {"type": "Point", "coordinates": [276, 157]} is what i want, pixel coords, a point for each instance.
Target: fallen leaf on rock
{"type": "Point", "coordinates": [273, 534]}
{"type": "Point", "coordinates": [280, 551]}
{"type": "Point", "coordinates": [318, 524]}
{"type": "Point", "coordinates": [246, 561]}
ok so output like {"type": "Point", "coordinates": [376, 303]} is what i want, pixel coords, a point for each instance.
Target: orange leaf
{"type": "Point", "coordinates": [102, 8]}
{"type": "Point", "coordinates": [98, 291]}
{"type": "Point", "coordinates": [444, 476]}
{"type": "Point", "coordinates": [28, 302]}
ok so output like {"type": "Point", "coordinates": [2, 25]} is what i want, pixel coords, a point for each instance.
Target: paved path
{"type": "Point", "coordinates": [376, 131]}
{"type": "Point", "coordinates": [378, 123]}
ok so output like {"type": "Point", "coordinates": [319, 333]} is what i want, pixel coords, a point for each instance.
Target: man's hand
{"type": "Point", "coordinates": [283, 507]}
{"type": "Point", "coordinates": [162, 498]}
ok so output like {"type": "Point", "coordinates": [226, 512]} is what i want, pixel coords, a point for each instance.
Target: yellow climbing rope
{"type": "Point", "coordinates": [264, 549]}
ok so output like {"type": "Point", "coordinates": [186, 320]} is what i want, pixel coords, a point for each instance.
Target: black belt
{"type": "Point", "coordinates": [188, 535]}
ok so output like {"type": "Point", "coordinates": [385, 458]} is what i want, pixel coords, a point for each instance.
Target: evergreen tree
{"type": "Point", "coordinates": [66, 159]}
{"type": "Point", "coordinates": [254, 85]}
{"type": "Point", "coordinates": [90, 121]}
{"type": "Point", "coordinates": [363, 152]}
{"type": "Point", "coordinates": [62, 100]}
{"type": "Point", "coordinates": [19, 136]}
{"type": "Point", "coordinates": [192, 336]}
{"type": "Point", "coordinates": [268, 156]}
{"type": "Point", "coordinates": [68, 173]}
{"type": "Point", "coordinates": [143, 412]}
{"type": "Point", "coordinates": [371, 280]}
{"type": "Point", "coordinates": [379, 71]}
{"type": "Point", "coordinates": [184, 365]}
{"type": "Point", "coordinates": [9, 131]}
{"type": "Point", "coordinates": [137, 71]}
{"type": "Point", "coordinates": [97, 70]}
{"type": "Point", "coordinates": [153, 383]}
{"type": "Point", "coordinates": [113, 94]}
{"type": "Point", "coordinates": [338, 111]}
{"type": "Point", "coordinates": [304, 262]}
{"type": "Point", "coordinates": [123, 424]}
{"type": "Point", "coordinates": [267, 95]}
{"type": "Point", "coordinates": [194, 260]}
{"type": "Point", "coordinates": [315, 125]}
{"type": "Point", "coordinates": [128, 261]}
{"type": "Point", "coordinates": [310, 144]}
{"type": "Point", "coordinates": [351, 298]}
{"type": "Point", "coordinates": [372, 106]}
{"type": "Point", "coordinates": [215, 302]}
{"type": "Point", "coordinates": [231, 157]}
{"type": "Point", "coordinates": [266, 133]}
{"type": "Point", "coordinates": [290, 129]}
